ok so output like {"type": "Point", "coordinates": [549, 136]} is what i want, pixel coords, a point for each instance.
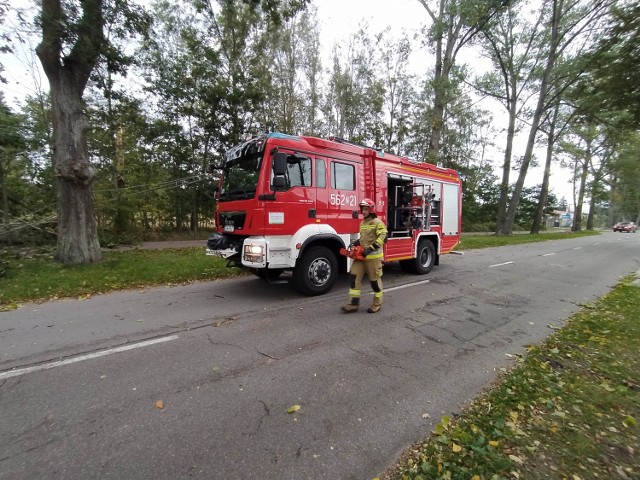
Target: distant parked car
{"type": "Point", "coordinates": [625, 227]}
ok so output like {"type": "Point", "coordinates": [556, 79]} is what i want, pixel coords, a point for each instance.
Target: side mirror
{"type": "Point", "coordinates": [279, 183]}
{"type": "Point", "coordinates": [279, 164]}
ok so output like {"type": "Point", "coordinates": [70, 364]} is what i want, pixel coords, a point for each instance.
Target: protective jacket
{"type": "Point", "coordinates": [373, 234]}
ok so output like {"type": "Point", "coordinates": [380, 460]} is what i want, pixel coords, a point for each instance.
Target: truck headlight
{"type": "Point", "coordinates": [253, 253]}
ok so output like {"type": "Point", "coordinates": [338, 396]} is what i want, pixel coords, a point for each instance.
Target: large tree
{"type": "Point", "coordinates": [68, 67]}
{"type": "Point", "coordinates": [73, 42]}
{"type": "Point", "coordinates": [455, 23]}
{"type": "Point", "coordinates": [570, 22]}
{"type": "Point", "coordinates": [509, 42]}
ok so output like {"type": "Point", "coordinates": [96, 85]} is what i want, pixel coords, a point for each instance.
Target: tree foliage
{"type": "Point", "coordinates": [615, 63]}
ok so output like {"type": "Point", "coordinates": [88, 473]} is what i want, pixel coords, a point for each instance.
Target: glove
{"type": "Point", "coordinates": [354, 244]}
{"type": "Point", "coordinates": [367, 251]}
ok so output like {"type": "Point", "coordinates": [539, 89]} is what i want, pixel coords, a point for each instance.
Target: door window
{"type": "Point", "coordinates": [343, 176]}
{"type": "Point", "coordinates": [321, 177]}
{"type": "Point", "coordinates": [299, 171]}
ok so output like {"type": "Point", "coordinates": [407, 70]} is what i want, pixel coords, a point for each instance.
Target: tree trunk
{"type": "Point", "coordinates": [544, 193]}
{"type": "Point", "coordinates": [544, 190]}
{"type": "Point", "coordinates": [440, 84]}
{"type": "Point", "coordinates": [437, 120]}
{"type": "Point", "coordinates": [611, 217]}
{"type": "Point", "coordinates": [508, 153]}
{"type": "Point", "coordinates": [77, 230]}
{"type": "Point", "coordinates": [5, 194]}
{"type": "Point", "coordinates": [592, 209]}
{"type": "Point", "coordinates": [596, 186]}
{"type": "Point", "coordinates": [577, 217]}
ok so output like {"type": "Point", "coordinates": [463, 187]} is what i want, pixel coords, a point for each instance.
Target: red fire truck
{"type": "Point", "coordinates": [290, 203]}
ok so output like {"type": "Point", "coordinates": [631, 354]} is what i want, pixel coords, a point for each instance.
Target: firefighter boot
{"type": "Point", "coordinates": [377, 305]}
{"type": "Point", "coordinates": [351, 306]}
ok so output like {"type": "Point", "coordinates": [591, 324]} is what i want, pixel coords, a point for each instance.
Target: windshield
{"type": "Point", "coordinates": [241, 171]}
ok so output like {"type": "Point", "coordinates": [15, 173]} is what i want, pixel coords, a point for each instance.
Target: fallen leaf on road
{"type": "Point", "coordinates": [159, 404]}
{"type": "Point", "coordinates": [293, 408]}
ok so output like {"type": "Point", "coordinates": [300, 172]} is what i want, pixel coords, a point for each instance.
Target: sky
{"type": "Point", "coordinates": [342, 16]}
{"type": "Point", "coordinates": [337, 20]}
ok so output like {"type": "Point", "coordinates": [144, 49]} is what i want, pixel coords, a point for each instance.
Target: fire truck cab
{"type": "Point", "coordinates": [290, 203]}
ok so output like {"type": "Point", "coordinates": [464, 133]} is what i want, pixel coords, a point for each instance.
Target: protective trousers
{"type": "Point", "coordinates": [373, 269]}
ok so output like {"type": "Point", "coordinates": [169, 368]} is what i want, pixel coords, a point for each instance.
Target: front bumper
{"type": "Point", "coordinates": [226, 253]}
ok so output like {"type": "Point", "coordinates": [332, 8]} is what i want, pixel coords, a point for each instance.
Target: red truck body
{"type": "Point", "coordinates": [291, 203]}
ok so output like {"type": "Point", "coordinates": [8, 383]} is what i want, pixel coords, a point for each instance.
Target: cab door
{"type": "Point", "coordinates": [343, 196]}
{"type": "Point", "coordinates": [295, 204]}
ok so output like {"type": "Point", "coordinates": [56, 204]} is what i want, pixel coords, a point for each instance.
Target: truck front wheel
{"type": "Point", "coordinates": [316, 271]}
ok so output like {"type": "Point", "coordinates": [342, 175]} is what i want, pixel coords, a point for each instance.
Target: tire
{"type": "Point", "coordinates": [425, 257]}
{"type": "Point", "coordinates": [316, 271]}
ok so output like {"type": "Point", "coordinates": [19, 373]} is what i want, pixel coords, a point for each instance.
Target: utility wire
{"type": "Point", "coordinates": [169, 185]}
{"type": "Point", "coordinates": [152, 187]}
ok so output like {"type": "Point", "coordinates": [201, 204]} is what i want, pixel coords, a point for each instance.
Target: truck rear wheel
{"type": "Point", "coordinates": [424, 261]}
{"type": "Point", "coordinates": [316, 271]}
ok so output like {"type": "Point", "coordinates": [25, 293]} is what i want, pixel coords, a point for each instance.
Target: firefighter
{"type": "Point", "coordinates": [373, 234]}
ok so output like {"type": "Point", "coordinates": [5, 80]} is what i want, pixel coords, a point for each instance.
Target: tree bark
{"type": "Point", "coordinates": [77, 230]}
{"type": "Point", "coordinates": [544, 190]}
{"type": "Point", "coordinates": [5, 194]}
{"type": "Point", "coordinates": [592, 209]}
{"type": "Point", "coordinates": [508, 153]}
{"type": "Point", "coordinates": [577, 217]}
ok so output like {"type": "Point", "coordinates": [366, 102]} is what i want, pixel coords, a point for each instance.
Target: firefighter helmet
{"type": "Point", "coordinates": [367, 202]}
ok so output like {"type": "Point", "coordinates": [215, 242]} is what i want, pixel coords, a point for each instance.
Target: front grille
{"type": "Point", "coordinates": [233, 219]}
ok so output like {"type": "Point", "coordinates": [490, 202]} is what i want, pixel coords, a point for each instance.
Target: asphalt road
{"type": "Point", "coordinates": [195, 381]}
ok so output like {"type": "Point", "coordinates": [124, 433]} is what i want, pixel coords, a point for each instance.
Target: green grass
{"type": "Point", "coordinates": [474, 241]}
{"type": "Point", "coordinates": [569, 410]}
{"type": "Point", "coordinates": [35, 276]}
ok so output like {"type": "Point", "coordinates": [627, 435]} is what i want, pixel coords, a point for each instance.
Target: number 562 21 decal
{"type": "Point", "coordinates": [340, 200]}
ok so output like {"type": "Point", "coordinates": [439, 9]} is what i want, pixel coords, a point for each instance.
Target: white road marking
{"type": "Point", "coordinates": [405, 286]}
{"type": "Point", "coordinates": [500, 264]}
{"type": "Point", "coordinates": [548, 254]}
{"type": "Point", "coordinates": [80, 358]}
